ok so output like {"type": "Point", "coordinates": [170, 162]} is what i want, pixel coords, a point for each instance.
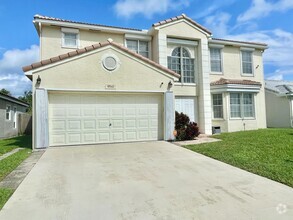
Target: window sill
{"type": "Point", "coordinates": [247, 75]}
{"type": "Point", "coordinates": [184, 84]}
{"type": "Point", "coordinates": [218, 119]}
{"type": "Point", "coordinates": [69, 47]}
{"type": "Point", "coordinates": [242, 119]}
{"type": "Point", "coordinates": [216, 73]}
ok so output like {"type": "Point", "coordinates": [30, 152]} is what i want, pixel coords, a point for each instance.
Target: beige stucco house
{"type": "Point", "coordinates": [102, 84]}
{"type": "Point", "coordinates": [279, 103]}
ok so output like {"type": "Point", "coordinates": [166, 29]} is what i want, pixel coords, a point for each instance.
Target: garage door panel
{"type": "Point", "coordinates": [73, 138]}
{"type": "Point", "coordinates": [58, 112]}
{"type": "Point", "coordinates": [93, 118]}
{"type": "Point", "coordinates": [103, 111]}
{"type": "Point", "coordinates": [58, 125]}
{"type": "Point", "coordinates": [103, 137]}
{"type": "Point", "coordinates": [73, 125]}
{"type": "Point", "coordinates": [89, 137]}
{"type": "Point", "coordinates": [89, 112]}
{"type": "Point", "coordinates": [89, 124]}
{"type": "Point", "coordinates": [58, 139]}
{"type": "Point", "coordinates": [130, 123]}
{"type": "Point", "coordinates": [103, 124]}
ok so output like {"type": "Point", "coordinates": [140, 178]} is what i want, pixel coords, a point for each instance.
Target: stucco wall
{"type": "Point", "coordinates": [88, 73]}
{"type": "Point", "coordinates": [278, 110]}
{"type": "Point", "coordinates": [7, 126]}
{"type": "Point", "coordinates": [51, 40]}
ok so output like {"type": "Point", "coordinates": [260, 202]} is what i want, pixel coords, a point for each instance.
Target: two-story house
{"type": "Point", "coordinates": [102, 84]}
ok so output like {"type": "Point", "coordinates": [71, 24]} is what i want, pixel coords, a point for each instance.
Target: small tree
{"type": "Point", "coordinates": [5, 92]}
{"type": "Point", "coordinates": [27, 97]}
{"type": "Point", "coordinates": [186, 130]}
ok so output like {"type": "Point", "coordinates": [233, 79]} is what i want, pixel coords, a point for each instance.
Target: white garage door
{"type": "Point", "coordinates": [76, 118]}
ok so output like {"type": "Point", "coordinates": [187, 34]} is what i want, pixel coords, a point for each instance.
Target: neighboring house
{"type": "Point", "coordinates": [279, 103]}
{"type": "Point", "coordinates": [10, 107]}
{"type": "Point", "coordinates": [102, 84]}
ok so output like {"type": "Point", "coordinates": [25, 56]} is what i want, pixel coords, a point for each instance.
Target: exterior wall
{"type": "Point", "coordinates": [51, 40]}
{"type": "Point", "coordinates": [231, 69]}
{"type": "Point", "coordinates": [86, 73]}
{"type": "Point", "coordinates": [7, 126]}
{"type": "Point", "coordinates": [201, 88]}
{"type": "Point", "coordinates": [277, 110]}
{"type": "Point", "coordinates": [231, 60]}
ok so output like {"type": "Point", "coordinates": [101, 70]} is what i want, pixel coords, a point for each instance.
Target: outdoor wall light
{"type": "Point", "coordinates": [39, 80]}
{"type": "Point", "coordinates": [170, 84]}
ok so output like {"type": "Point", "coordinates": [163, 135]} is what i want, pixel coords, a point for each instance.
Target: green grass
{"type": "Point", "coordinates": [7, 145]}
{"type": "Point", "coordinates": [4, 196]}
{"type": "Point", "coordinates": [266, 152]}
{"type": "Point", "coordinates": [8, 164]}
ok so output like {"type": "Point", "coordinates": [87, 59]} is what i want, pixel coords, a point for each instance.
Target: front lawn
{"type": "Point", "coordinates": [266, 152]}
{"type": "Point", "coordinates": [4, 196]}
{"type": "Point", "coordinates": [10, 163]}
{"type": "Point", "coordinates": [7, 145]}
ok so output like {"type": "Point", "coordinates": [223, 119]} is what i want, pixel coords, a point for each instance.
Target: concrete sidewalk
{"type": "Point", "coordinates": [151, 180]}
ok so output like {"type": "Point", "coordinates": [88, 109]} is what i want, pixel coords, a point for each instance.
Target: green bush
{"type": "Point", "coordinates": [185, 129]}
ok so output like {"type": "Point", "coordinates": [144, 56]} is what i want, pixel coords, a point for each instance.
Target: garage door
{"type": "Point", "coordinates": [76, 118]}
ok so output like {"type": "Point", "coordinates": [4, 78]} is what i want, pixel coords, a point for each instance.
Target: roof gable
{"type": "Point", "coordinates": [182, 17]}
{"type": "Point", "coordinates": [88, 49]}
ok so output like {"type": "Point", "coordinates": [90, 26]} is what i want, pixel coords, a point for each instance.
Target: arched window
{"type": "Point", "coordinates": [181, 63]}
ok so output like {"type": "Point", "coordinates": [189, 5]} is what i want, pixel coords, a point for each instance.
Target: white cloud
{"type": "Point", "coordinates": [129, 8]}
{"type": "Point", "coordinates": [11, 76]}
{"type": "Point", "coordinates": [262, 8]}
{"type": "Point", "coordinates": [218, 23]}
{"type": "Point", "coordinates": [213, 7]}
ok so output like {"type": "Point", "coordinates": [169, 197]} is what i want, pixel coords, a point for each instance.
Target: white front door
{"type": "Point", "coordinates": [76, 118]}
{"type": "Point", "coordinates": [188, 106]}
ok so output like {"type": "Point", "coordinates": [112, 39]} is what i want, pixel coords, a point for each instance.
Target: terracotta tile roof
{"type": "Point", "coordinates": [223, 81]}
{"type": "Point", "coordinates": [77, 22]}
{"type": "Point", "coordinates": [94, 47]}
{"type": "Point", "coordinates": [183, 16]}
{"type": "Point", "coordinates": [242, 42]}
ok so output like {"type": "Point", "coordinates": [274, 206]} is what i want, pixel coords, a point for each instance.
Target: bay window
{"type": "Point", "coordinates": [217, 105]}
{"type": "Point", "coordinates": [242, 105]}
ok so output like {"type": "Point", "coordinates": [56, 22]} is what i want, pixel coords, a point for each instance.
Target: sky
{"type": "Point", "coordinates": [267, 21]}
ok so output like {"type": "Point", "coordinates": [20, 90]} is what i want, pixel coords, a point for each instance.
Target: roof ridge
{"type": "Point", "coordinates": [179, 17]}
{"type": "Point", "coordinates": [80, 22]}
{"type": "Point", "coordinates": [94, 47]}
{"type": "Point", "coordinates": [239, 41]}
{"type": "Point", "coordinates": [223, 81]}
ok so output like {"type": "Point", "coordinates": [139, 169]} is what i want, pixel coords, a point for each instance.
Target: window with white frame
{"type": "Point", "coordinates": [8, 112]}
{"type": "Point", "coordinates": [138, 46]}
{"type": "Point", "coordinates": [242, 105]}
{"type": "Point", "coordinates": [216, 60]}
{"type": "Point", "coordinates": [70, 40]}
{"type": "Point", "coordinates": [217, 106]}
{"type": "Point", "coordinates": [246, 57]}
{"type": "Point", "coordinates": [181, 63]}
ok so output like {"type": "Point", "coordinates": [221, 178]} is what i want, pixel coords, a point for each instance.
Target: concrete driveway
{"type": "Point", "coordinates": [153, 180]}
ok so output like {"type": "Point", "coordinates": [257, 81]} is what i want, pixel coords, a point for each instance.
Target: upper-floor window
{"type": "Point", "coordinates": [138, 46]}
{"type": "Point", "coordinates": [181, 63]}
{"type": "Point", "coordinates": [246, 57]}
{"type": "Point", "coordinates": [217, 106]}
{"type": "Point", "coordinates": [216, 60]}
{"type": "Point", "coordinates": [70, 38]}
{"type": "Point", "coordinates": [242, 105]}
{"type": "Point", "coordinates": [8, 112]}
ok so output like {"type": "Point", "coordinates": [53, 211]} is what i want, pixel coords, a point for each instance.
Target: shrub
{"type": "Point", "coordinates": [186, 130]}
